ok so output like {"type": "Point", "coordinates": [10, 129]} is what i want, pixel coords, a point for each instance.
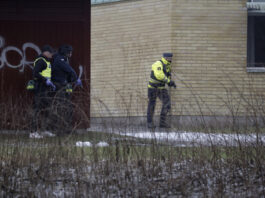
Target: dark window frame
{"type": "Point", "coordinates": [252, 66]}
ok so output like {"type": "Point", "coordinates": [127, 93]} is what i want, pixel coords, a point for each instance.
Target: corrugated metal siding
{"type": "Point", "coordinates": [64, 10]}
{"type": "Point", "coordinates": [53, 22]}
{"type": "Point", "coordinates": [53, 7]}
{"type": "Point", "coordinates": [7, 7]}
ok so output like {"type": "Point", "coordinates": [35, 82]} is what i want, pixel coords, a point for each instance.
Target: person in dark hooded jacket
{"type": "Point", "coordinates": [64, 77]}
{"type": "Point", "coordinates": [62, 72]}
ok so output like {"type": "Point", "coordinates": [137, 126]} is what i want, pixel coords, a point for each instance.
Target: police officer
{"type": "Point", "coordinates": [63, 76]}
{"type": "Point", "coordinates": [160, 76]}
{"type": "Point", "coordinates": [43, 85]}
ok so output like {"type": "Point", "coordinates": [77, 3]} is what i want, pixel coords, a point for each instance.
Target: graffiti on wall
{"type": "Point", "coordinates": [24, 62]}
{"type": "Point", "coordinates": [21, 52]}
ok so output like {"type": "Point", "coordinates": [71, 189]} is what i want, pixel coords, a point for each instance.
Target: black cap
{"type": "Point", "coordinates": [65, 49]}
{"type": "Point", "coordinates": [47, 48]}
{"type": "Point", "coordinates": [167, 55]}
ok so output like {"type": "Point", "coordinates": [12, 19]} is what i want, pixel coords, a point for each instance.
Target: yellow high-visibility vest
{"type": "Point", "coordinates": [159, 74]}
{"type": "Point", "coordinates": [47, 73]}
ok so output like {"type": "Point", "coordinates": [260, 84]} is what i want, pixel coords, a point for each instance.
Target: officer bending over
{"type": "Point", "coordinates": [160, 76]}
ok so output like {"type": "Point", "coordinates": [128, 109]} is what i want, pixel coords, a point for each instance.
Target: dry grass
{"type": "Point", "coordinates": [55, 167]}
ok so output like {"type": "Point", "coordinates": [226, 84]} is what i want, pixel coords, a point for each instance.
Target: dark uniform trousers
{"type": "Point", "coordinates": [41, 107]}
{"type": "Point", "coordinates": [62, 110]}
{"type": "Point", "coordinates": [163, 95]}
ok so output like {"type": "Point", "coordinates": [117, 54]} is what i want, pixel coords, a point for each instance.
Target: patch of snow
{"type": "Point", "coordinates": [35, 135]}
{"type": "Point", "coordinates": [83, 144]}
{"type": "Point", "coordinates": [88, 144]}
{"type": "Point", "coordinates": [39, 135]}
{"type": "Point", "coordinates": [48, 134]}
{"type": "Point", "coordinates": [183, 138]}
{"type": "Point", "coordinates": [200, 138]}
{"type": "Point", "coordinates": [102, 144]}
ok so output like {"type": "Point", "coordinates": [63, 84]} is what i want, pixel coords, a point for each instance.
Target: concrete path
{"type": "Point", "coordinates": [184, 138]}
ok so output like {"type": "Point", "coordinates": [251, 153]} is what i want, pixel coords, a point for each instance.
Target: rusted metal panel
{"type": "Point", "coordinates": [25, 26]}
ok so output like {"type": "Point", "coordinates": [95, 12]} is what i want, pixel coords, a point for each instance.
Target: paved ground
{"type": "Point", "coordinates": [183, 138]}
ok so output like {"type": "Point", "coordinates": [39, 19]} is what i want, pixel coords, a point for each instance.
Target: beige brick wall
{"type": "Point", "coordinates": [208, 38]}
{"type": "Point", "coordinates": [126, 38]}
{"type": "Point", "coordinates": [210, 44]}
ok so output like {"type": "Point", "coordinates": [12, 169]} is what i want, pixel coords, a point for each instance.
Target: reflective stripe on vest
{"type": "Point", "coordinates": [47, 73]}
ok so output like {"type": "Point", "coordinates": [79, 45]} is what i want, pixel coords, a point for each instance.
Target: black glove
{"type": "Point", "coordinates": [172, 84]}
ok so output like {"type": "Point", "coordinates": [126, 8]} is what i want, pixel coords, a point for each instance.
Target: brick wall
{"type": "Point", "coordinates": [210, 44]}
{"type": "Point", "coordinates": [126, 38]}
{"type": "Point", "coordinates": [208, 38]}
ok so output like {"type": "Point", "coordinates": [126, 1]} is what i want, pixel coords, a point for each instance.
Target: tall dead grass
{"type": "Point", "coordinates": [131, 167]}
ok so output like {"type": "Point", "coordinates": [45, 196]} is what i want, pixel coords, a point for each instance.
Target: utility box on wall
{"type": "Point", "coordinates": [25, 26]}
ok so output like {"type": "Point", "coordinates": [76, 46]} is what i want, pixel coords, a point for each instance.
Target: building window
{"type": "Point", "coordinates": [256, 36]}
